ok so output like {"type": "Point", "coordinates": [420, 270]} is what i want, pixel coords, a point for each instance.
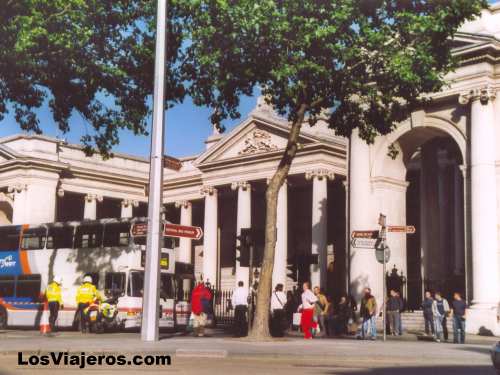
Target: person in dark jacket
{"type": "Point", "coordinates": [343, 314]}
{"type": "Point", "coordinates": [428, 317]}
{"type": "Point", "coordinates": [459, 308]}
{"type": "Point", "coordinates": [394, 307]}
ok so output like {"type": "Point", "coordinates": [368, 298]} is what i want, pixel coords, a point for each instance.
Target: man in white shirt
{"type": "Point", "coordinates": [307, 308]}
{"type": "Point", "coordinates": [278, 317]}
{"type": "Point", "coordinates": [239, 300]}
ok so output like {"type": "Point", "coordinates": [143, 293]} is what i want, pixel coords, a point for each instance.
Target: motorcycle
{"type": "Point", "coordinates": [102, 315]}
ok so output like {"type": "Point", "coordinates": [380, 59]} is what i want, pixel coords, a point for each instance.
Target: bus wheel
{"type": "Point", "coordinates": [3, 318]}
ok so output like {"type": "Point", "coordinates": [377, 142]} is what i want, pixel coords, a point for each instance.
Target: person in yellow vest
{"type": "Point", "coordinates": [54, 298]}
{"type": "Point", "coordinates": [85, 295]}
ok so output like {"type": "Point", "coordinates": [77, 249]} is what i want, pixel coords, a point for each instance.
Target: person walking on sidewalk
{"type": "Point", "coordinates": [394, 306]}
{"type": "Point", "coordinates": [368, 312]}
{"type": "Point", "coordinates": [440, 309]}
{"type": "Point", "coordinates": [307, 308]}
{"type": "Point", "coordinates": [239, 301]}
{"type": "Point", "coordinates": [459, 309]}
{"type": "Point", "coordinates": [54, 299]}
{"type": "Point", "coordinates": [200, 298]}
{"type": "Point", "coordinates": [320, 309]}
{"type": "Point", "coordinates": [278, 315]}
{"type": "Point", "coordinates": [427, 310]}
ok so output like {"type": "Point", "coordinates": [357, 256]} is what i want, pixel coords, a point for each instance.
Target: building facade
{"type": "Point", "coordinates": [438, 171]}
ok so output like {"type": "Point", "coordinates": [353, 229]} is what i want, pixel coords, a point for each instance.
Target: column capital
{"type": "Point", "coordinates": [183, 204]}
{"type": "Point", "coordinates": [130, 202]}
{"type": "Point", "coordinates": [60, 192]}
{"type": "Point", "coordinates": [483, 94]}
{"type": "Point", "coordinates": [319, 174]}
{"type": "Point", "coordinates": [17, 188]}
{"type": "Point", "coordinates": [243, 185]}
{"type": "Point", "coordinates": [208, 190]}
{"type": "Point", "coordinates": [93, 197]}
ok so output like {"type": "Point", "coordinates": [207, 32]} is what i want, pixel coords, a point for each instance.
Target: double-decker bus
{"type": "Point", "coordinates": [30, 256]}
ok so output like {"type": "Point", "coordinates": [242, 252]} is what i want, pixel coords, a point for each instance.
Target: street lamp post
{"type": "Point", "coordinates": [150, 305]}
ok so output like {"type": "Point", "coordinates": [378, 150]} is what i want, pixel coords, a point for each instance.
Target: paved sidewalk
{"type": "Point", "coordinates": [399, 355]}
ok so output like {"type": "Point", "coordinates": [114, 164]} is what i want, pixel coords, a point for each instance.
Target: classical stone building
{"type": "Point", "coordinates": [438, 171]}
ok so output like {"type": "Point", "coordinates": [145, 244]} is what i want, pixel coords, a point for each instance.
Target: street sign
{"type": "Point", "coordinates": [364, 234]}
{"type": "Point", "coordinates": [182, 231]}
{"type": "Point", "coordinates": [139, 230]}
{"type": "Point", "coordinates": [401, 229]}
{"type": "Point", "coordinates": [169, 230]}
{"type": "Point", "coordinates": [364, 243]}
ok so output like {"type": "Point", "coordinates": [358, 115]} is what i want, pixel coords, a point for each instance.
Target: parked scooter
{"type": "Point", "coordinates": [102, 316]}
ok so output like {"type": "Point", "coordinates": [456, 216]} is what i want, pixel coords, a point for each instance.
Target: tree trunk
{"type": "Point", "coordinates": [260, 328]}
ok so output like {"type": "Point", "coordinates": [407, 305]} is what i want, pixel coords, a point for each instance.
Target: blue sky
{"type": "Point", "coordinates": [187, 127]}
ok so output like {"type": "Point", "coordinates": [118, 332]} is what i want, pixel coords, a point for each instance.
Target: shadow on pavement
{"type": "Point", "coordinates": [428, 370]}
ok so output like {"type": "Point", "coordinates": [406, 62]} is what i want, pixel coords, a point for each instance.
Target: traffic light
{"type": "Point", "coordinates": [293, 270]}
{"type": "Point", "coordinates": [243, 247]}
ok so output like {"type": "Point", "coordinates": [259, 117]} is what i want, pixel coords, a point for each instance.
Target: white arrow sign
{"type": "Point", "coordinates": [364, 243]}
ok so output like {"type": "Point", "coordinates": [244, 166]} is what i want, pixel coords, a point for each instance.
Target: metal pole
{"type": "Point", "coordinates": [150, 306]}
{"type": "Point", "coordinates": [250, 279]}
{"type": "Point", "coordinates": [385, 293]}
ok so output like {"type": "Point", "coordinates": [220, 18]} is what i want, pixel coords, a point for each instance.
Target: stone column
{"type": "Point", "coordinates": [128, 208]}
{"type": "Point", "coordinates": [19, 209]}
{"type": "Point", "coordinates": [210, 235]}
{"type": "Point", "coordinates": [281, 250]}
{"type": "Point", "coordinates": [364, 269]}
{"type": "Point", "coordinates": [319, 236]}
{"type": "Point", "coordinates": [186, 219]}
{"type": "Point", "coordinates": [243, 220]}
{"type": "Point", "coordinates": [485, 274]}
{"type": "Point", "coordinates": [90, 209]}
{"type": "Point", "coordinates": [458, 225]}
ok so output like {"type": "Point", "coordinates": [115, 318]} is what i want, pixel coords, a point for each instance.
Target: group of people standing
{"type": "Point", "coordinates": [436, 312]}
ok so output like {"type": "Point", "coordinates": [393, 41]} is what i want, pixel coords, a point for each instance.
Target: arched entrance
{"type": "Point", "coordinates": [435, 205]}
{"type": "Point", "coordinates": [427, 165]}
{"type": "Point", "coordinates": [5, 209]}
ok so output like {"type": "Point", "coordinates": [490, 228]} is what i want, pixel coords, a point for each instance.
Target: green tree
{"type": "Point", "coordinates": [88, 57]}
{"type": "Point", "coordinates": [367, 62]}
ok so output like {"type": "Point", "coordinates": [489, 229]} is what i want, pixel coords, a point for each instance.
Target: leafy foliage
{"type": "Point", "coordinates": [88, 57]}
{"type": "Point", "coordinates": [368, 61]}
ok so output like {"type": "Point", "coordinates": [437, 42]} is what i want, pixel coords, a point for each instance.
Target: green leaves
{"type": "Point", "coordinates": [91, 57]}
{"type": "Point", "coordinates": [368, 61]}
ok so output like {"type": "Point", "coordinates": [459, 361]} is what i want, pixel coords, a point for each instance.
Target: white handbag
{"type": "Point", "coordinates": [296, 319]}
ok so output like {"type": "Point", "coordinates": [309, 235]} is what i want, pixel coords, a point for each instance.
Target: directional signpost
{"type": "Point", "coordinates": [169, 230]}
{"type": "Point", "coordinates": [184, 231]}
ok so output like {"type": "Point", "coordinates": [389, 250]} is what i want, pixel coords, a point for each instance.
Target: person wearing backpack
{"type": "Point", "coordinates": [278, 315]}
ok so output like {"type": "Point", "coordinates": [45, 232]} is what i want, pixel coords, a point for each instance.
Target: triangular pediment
{"type": "Point", "coordinates": [6, 153]}
{"type": "Point", "coordinates": [464, 41]}
{"type": "Point", "coordinates": [253, 137]}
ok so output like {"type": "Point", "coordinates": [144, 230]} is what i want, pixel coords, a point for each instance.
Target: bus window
{"type": "Point", "coordinates": [9, 238]}
{"type": "Point", "coordinates": [34, 238]}
{"type": "Point", "coordinates": [88, 236]}
{"type": "Point", "coordinates": [60, 237]}
{"type": "Point", "coordinates": [167, 286]}
{"type": "Point", "coordinates": [7, 286]}
{"type": "Point", "coordinates": [136, 284]}
{"type": "Point", "coordinates": [28, 286]}
{"type": "Point", "coordinates": [114, 282]}
{"type": "Point", "coordinates": [116, 234]}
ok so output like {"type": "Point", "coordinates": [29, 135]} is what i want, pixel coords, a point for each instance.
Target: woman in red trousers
{"type": "Point", "coordinates": [308, 301]}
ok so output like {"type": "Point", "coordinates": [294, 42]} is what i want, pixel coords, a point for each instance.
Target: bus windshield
{"type": "Point", "coordinates": [136, 285]}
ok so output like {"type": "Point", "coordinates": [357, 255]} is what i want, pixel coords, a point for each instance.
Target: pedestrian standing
{"type": "Point", "coordinates": [200, 299]}
{"type": "Point", "coordinates": [342, 315]}
{"type": "Point", "coordinates": [320, 309]}
{"type": "Point", "coordinates": [400, 316]}
{"type": "Point", "coordinates": [368, 312]}
{"type": "Point", "coordinates": [459, 308]}
{"type": "Point", "coordinates": [54, 299]}
{"type": "Point", "coordinates": [307, 308]}
{"type": "Point", "coordinates": [278, 315]}
{"type": "Point", "coordinates": [240, 302]}
{"type": "Point", "coordinates": [427, 309]}
{"type": "Point", "coordinates": [440, 309]}
{"type": "Point", "coordinates": [393, 313]}
{"type": "Point", "coordinates": [86, 294]}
